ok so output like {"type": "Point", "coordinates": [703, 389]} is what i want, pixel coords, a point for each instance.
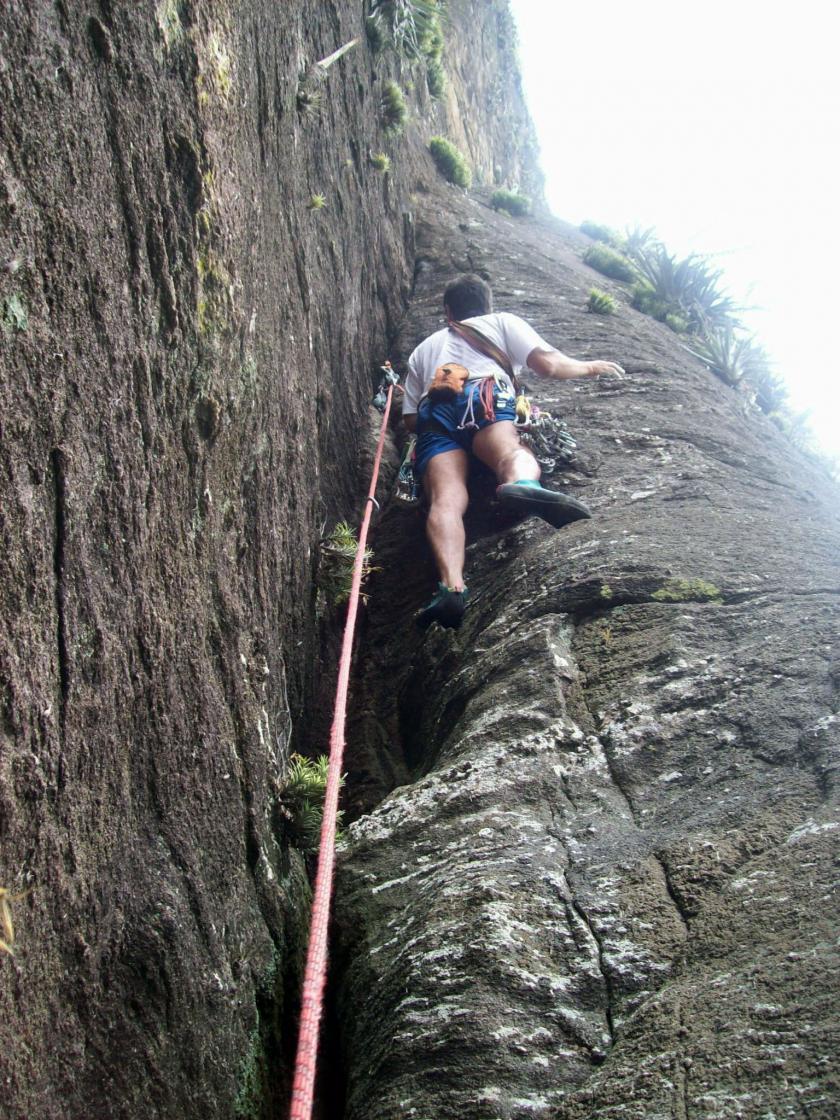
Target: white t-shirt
{"type": "Point", "coordinates": [509, 332]}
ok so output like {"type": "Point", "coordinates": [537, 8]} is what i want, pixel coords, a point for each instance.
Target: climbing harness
{"type": "Point", "coordinates": [545, 435]}
{"type": "Point", "coordinates": [316, 961]}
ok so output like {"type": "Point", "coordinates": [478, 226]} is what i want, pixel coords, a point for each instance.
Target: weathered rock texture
{"type": "Point", "coordinates": [607, 885]}
{"type": "Point", "coordinates": [187, 353]}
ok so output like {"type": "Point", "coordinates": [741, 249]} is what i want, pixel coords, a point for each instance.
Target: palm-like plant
{"type": "Point", "coordinates": [771, 392]}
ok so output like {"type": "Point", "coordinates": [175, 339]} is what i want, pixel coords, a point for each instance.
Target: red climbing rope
{"type": "Point", "coordinates": [316, 961]}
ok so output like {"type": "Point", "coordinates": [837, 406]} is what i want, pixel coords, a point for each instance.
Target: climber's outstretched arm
{"type": "Point", "coordinates": [551, 363]}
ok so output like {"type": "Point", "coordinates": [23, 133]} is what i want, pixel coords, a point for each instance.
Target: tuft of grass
{"type": "Point", "coordinates": [302, 797]}
{"type": "Point", "coordinates": [436, 80]}
{"type": "Point", "coordinates": [393, 111]}
{"type": "Point", "coordinates": [450, 162]}
{"type": "Point", "coordinates": [316, 202]}
{"type": "Point", "coordinates": [381, 162]}
{"type": "Point", "coordinates": [598, 232]}
{"type": "Point", "coordinates": [646, 300]}
{"type": "Point", "coordinates": [601, 302]}
{"type": "Point", "coordinates": [517, 205]}
{"type": "Point", "coordinates": [610, 263]}
{"type": "Point", "coordinates": [338, 558]}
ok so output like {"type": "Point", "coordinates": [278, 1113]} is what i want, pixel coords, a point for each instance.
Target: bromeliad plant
{"type": "Point", "coordinates": [394, 111]}
{"type": "Point", "coordinates": [409, 26]}
{"type": "Point", "coordinates": [689, 287]}
{"type": "Point", "coordinates": [730, 358]}
{"type": "Point", "coordinates": [301, 798]}
{"type": "Point", "coordinates": [338, 559]}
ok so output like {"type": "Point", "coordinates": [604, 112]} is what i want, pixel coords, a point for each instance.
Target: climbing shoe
{"type": "Point", "coordinates": [447, 608]}
{"type": "Point", "coordinates": [530, 497]}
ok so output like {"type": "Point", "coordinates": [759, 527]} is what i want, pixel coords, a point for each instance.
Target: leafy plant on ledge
{"type": "Point", "coordinates": [338, 559]}
{"type": "Point", "coordinates": [730, 358]}
{"type": "Point", "coordinates": [450, 162]}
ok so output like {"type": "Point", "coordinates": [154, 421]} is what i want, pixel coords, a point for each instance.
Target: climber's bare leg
{"type": "Point", "coordinates": [498, 446]}
{"type": "Point", "coordinates": [445, 483]}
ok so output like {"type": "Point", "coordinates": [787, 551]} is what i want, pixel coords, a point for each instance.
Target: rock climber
{"type": "Point", "coordinates": [460, 402]}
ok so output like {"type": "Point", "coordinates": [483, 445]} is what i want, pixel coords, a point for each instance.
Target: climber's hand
{"type": "Point", "coordinates": [610, 369]}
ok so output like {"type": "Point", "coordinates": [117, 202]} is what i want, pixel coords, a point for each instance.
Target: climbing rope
{"type": "Point", "coordinates": [316, 960]}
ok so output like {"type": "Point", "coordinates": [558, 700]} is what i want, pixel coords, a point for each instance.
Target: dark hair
{"type": "Point", "coordinates": [468, 295]}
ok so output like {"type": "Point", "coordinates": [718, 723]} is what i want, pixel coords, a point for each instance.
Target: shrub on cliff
{"type": "Point", "coordinates": [517, 205]}
{"type": "Point", "coordinates": [301, 797]}
{"type": "Point", "coordinates": [450, 163]}
{"type": "Point", "coordinates": [610, 263]}
{"type": "Point", "coordinates": [394, 109]}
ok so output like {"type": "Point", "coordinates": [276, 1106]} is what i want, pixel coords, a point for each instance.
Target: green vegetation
{"type": "Point", "coordinates": [678, 590]}
{"type": "Point", "coordinates": [689, 287]}
{"type": "Point", "coordinates": [644, 299]}
{"type": "Point", "coordinates": [730, 358]}
{"type": "Point", "coordinates": [610, 263]}
{"type": "Point", "coordinates": [436, 80]}
{"type": "Point", "coordinates": [394, 111]}
{"type": "Point", "coordinates": [410, 27]}
{"type": "Point", "coordinates": [598, 232]}
{"type": "Point", "coordinates": [316, 202]}
{"type": "Point", "coordinates": [381, 162]}
{"type": "Point", "coordinates": [338, 559]}
{"type": "Point", "coordinates": [450, 163]}
{"type": "Point", "coordinates": [513, 203]}
{"type": "Point", "coordinates": [309, 101]}
{"type": "Point", "coordinates": [601, 303]}
{"type": "Point", "coordinates": [606, 591]}
{"type": "Point", "coordinates": [302, 797]}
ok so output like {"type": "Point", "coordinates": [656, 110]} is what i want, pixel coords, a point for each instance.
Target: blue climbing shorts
{"type": "Point", "coordinates": [448, 419]}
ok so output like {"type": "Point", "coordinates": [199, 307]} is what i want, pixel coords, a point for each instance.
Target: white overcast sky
{"type": "Point", "coordinates": [717, 124]}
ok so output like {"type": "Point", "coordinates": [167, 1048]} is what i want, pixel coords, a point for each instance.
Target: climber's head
{"type": "Point", "coordinates": [467, 295]}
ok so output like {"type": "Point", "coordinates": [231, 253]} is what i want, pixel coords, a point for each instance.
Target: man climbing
{"type": "Point", "coordinates": [459, 399]}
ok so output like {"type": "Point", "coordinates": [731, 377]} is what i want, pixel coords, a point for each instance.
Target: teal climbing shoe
{"type": "Point", "coordinates": [529, 497]}
{"type": "Point", "coordinates": [447, 608]}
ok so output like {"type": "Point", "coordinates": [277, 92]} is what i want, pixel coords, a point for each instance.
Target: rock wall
{"type": "Point", "coordinates": [591, 872]}
{"type": "Point", "coordinates": [606, 883]}
{"type": "Point", "coordinates": [186, 359]}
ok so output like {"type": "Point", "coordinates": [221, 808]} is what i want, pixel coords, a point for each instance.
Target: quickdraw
{"type": "Point", "coordinates": [546, 435]}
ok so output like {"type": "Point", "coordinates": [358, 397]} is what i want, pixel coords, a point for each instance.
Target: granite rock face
{"type": "Point", "coordinates": [607, 885]}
